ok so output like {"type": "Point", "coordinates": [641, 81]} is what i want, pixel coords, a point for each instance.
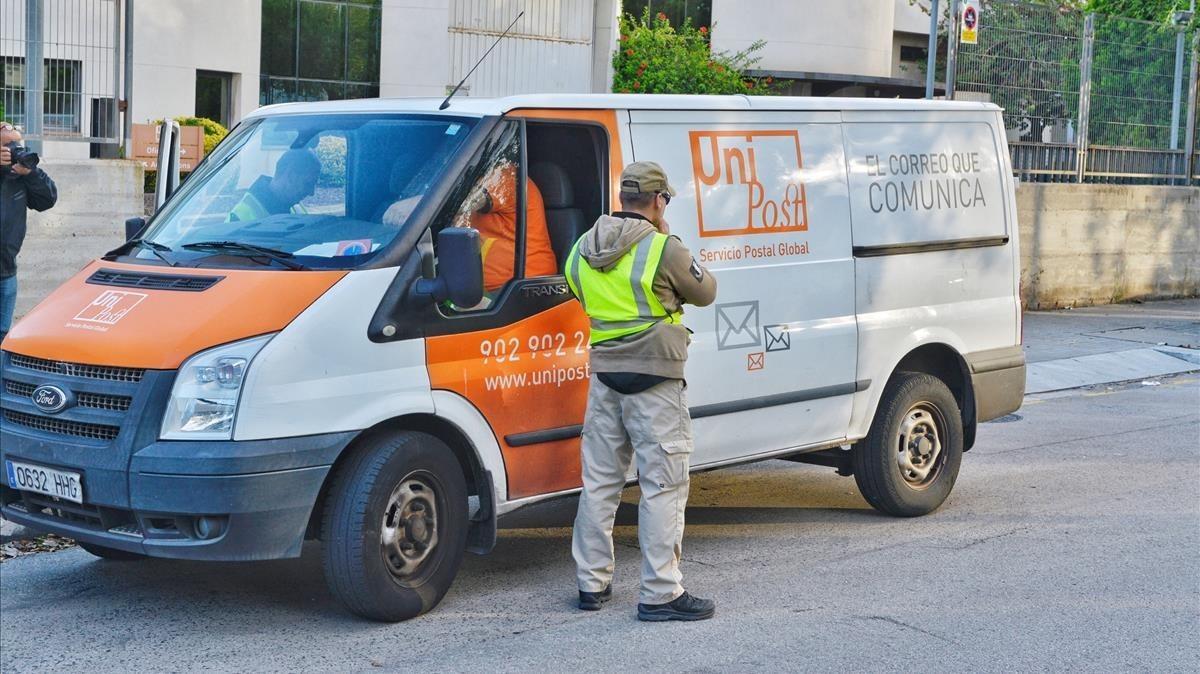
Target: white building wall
{"type": "Point", "coordinates": [913, 16]}
{"type": "Point", "coordinates": [548, 51]}
{"type": "Point", "coordinates": [172, 39]}
{"type": "Point", "coordinates": [854, 38]}
{"type": "Point", "coordinates": [414, 43]}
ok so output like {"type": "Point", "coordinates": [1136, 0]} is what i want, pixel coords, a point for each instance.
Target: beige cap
{"type": "Point", "coordinates": [645, 176]}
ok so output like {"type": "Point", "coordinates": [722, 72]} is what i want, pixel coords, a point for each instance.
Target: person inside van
{"type": "Point", "coordinates": [295, 178]}
{"type": "Point", "coordinates": [492, 210]}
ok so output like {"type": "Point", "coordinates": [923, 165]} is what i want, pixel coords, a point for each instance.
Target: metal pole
{"type": "Point", "coordinates": [1085, 97]}
{"type": "Point", "coordinates": [112, 123]}
{"type": "Point", "coordinates": [952, 50]}
{"type": "Point", "coordinates": [35, 72]}
{"type": "Point", "coordinates": [1177, 94]}
{"type": "Point", "coordinates": [931, 57]}
{"type": "Point", "coordinates": [1190, 140]}
{"type": "Point", "coordinates": [128, 88]}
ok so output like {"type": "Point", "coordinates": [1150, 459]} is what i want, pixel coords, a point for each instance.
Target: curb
{"type": "Point", "coordinates": [10, 532]}
{"type": "Point", "coordinates": [1108, 368]}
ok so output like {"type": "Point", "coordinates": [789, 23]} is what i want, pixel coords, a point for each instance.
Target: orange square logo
{"type": "Point", "coordinates": [748, 182]}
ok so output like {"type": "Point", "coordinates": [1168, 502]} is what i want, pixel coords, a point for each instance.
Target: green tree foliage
{"type": "Point", "coordinates": [655, 57]}
{"type": "Point", "coordinates": [331, 151]}
{"type": "Point", "coordinates": [1028, 62]}
{"type": "Point", "coordinates": [1159, 11]}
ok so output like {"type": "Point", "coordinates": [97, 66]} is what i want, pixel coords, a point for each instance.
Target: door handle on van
{"type": "Point", "coordinates": [459, 271]}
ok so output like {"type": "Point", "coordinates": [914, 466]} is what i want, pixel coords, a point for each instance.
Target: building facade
{"type": "Point", "coordinates": [222, 58]}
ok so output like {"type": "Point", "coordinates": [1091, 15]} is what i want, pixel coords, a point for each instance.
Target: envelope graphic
{"type": "Point", "coordinates": [777, 337]}
{"type": "Point", "coordinates": [754, 361]}
{"type": "Point", "coordinates": [737, 325]}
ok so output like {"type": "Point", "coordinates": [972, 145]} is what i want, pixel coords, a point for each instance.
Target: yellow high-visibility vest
{"type": "Point", "coordinates": [621, 301]}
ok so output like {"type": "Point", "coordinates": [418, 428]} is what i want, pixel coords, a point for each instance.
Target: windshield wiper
{"type": "Point", "coordinates": [247, 250]}
{"type": "Point", "coordinates": [153, 246]}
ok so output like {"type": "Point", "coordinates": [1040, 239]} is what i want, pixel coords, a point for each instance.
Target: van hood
{"type": "Point", "coordinates": [112, 321]}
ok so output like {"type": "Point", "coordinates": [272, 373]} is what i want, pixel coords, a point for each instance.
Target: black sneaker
{"type": "Point", "coordinates": [685, 607]}
{"type": "Point", "coordinates": [592, 601]}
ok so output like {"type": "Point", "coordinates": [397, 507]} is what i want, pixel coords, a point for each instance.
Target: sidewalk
{"type": "Point", "coordinates": [1097, 345]}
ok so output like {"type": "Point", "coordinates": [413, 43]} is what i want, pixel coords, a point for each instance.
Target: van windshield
{"type": "Point", "coordinates": [304, 192]}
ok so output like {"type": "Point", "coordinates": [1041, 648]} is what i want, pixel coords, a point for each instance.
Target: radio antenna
{"type": "Point", "coordinates": [446, 103]}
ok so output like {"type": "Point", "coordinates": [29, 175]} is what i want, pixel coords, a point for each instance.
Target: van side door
{"type": "Point", "coordinates": [763, 205]}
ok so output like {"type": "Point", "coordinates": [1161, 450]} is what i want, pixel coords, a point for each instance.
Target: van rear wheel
{"type": "Point", "coordinates": [907, 464]}
{"type": "Point", "coordinates": [395, 527]}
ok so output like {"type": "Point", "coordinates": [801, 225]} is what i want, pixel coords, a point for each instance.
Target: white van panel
{"type": "Point", "coordinates": [762, 203]}
{"type": "Point", "coordinates": [964, 297]}
{"type": "Point", "coordinates": [917, 182]}
{"type": "Point", "coordinates": [322, 375]}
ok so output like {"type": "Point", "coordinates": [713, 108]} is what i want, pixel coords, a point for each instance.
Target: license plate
{"type": "Point", "coordinates": [57, 483]}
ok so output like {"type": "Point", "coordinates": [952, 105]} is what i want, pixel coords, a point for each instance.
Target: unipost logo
{"type": "Point", "coordinates": [748, 182]}
{"type": "Point", "coordinates": [110, 307]}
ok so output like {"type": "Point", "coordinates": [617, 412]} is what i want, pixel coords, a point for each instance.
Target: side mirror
{"type": "Point", "coordinates": [460, 269]}
{"type": "Point", "coordinates": [133, 227]}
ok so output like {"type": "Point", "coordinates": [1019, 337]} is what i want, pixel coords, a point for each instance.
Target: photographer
{"type": "Point", "coordinates": [22, 185]}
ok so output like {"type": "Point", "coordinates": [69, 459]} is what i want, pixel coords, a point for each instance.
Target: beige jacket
{"type": "Point", "coordinates": [661, 350]}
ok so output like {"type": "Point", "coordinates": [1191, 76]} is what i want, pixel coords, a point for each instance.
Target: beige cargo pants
{"type": "Point", "coordinates": [655, 425]}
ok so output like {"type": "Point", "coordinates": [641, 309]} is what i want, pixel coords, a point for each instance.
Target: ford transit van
{"type": "Point", "coordinates": [340, 328]}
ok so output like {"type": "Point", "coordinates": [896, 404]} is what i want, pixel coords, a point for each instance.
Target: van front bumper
{"type": "Point", "coordinates": [255, 497]}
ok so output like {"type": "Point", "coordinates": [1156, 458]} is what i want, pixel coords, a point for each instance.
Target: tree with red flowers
{"type": "Point", "coordinates": [657, 58]}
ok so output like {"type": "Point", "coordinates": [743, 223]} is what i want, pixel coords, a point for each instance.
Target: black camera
{"type": "Point", "coordinates": [19, 154]}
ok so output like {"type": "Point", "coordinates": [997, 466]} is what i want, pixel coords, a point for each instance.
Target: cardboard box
{"type": "Point", "coordinates": [145, 146]}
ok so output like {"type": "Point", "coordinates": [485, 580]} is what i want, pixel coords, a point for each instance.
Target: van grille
{"type": "Point", "coordinates": [110, 277]}
{"type": "Point", "coordinates": [58, 426]}
{"type": "Point", "coordinates": [96, 401]}
{"type": "Point", "coordinates": [78, 370]}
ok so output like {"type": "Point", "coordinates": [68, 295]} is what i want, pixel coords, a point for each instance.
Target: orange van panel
{"type": "Point", "coordinates": [159, 329]}
{"type": "Point", "coordinates": [528, 376]}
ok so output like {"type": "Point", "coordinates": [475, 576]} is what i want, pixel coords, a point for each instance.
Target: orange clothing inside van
{"type": "Point", "coordinates": [498, 228]}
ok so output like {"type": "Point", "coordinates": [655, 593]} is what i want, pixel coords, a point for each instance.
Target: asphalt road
{"type": "Point", "coordinates": [1072, 541]}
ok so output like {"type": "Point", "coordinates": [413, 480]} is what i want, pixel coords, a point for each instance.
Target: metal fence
{"type": "Point", "coordinates": [73, 95]}
{"type": "Point", "coordinates": [1086, 97]}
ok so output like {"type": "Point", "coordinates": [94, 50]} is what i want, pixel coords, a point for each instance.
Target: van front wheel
{"type": "Point", "coordinates": [907, 464]}
{"type": "Point", "coordinates": [395, 526]}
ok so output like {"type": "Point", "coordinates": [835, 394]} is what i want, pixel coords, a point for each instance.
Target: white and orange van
{"type": "Point", "coordinates": [233, 381]}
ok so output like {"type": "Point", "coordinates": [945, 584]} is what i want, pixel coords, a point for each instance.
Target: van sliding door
{"type": "Point", "coordinates": [762, 204]}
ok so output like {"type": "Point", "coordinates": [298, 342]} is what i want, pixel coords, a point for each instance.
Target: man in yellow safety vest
{"type": "Point", "coordinates": [295, 178]}
{"type": "Point", "coordinates": [632, 279]}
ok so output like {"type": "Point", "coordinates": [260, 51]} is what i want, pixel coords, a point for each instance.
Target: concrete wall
{"type": "Point", "coordinates": [94, 198]}
{"type": "Point", "coordinates": [1098, 244]}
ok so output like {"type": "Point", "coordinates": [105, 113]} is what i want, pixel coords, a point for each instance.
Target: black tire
{"type": "Point", "coordinates": [111, 554]}
{"type": "Point", "coordinates": [363, 572]}
{"type": "Point", "coordinates": [906, 479]}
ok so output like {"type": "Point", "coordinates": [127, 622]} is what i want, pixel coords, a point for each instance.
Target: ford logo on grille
{"type": "Point", "coordinates": [49, 399]}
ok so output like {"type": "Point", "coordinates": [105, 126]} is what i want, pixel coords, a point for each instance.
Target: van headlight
{"type": "Point", "coordinates": [204, 399]}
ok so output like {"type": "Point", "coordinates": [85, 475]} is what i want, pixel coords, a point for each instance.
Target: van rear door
{"type": "Point", "coordinates": [763, 204]}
